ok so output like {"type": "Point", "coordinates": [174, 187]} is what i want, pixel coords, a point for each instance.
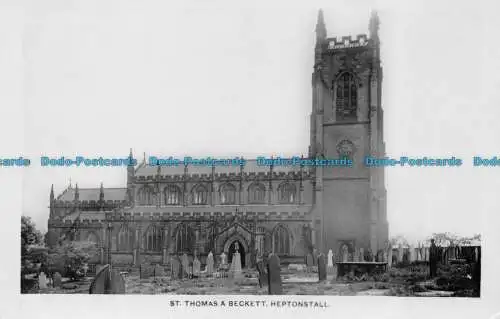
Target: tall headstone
{"type": "Point", "coordinates": [185, 264]}
{"type": "Point", "coordinates": [42, 280]}
{"type": "Point", "coordinates": [400, 254]}
{"type": "Point", "coordinates": [235, 269]}
{"type": "Point", "coordinates": [196, 267]}
{"type": "Point", "coordinates": [315, 257]}
{"type": "Point", "coordinates": [321, 267]}
{"type": "Point", "coordinates": [345, 254]}
{"type": "Point", "coordinates": [57, 280]}
{"type": "Point", "coordinates": [309, 261]}
{"type": "Point", "coordinates": [330, 259]}
{"type": "Point", "coordinates": [174, 267]}
{"type": "Point", "coordinates": [412, 254]}
{"type": "Point", "coordinates": [262, 273]}
{"type": "Point", "coordinates": [210, 264]}
{"type": "Point", "coordinates": [223, 259]}
{"type": "Point", "coordinates": [274, 275]}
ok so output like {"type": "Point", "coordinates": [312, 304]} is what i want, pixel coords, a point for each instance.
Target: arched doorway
{"type": "Point", "coordinates": [232, 249]}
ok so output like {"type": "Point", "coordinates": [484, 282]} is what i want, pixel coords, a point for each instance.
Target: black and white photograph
{"type": "Point", "coordinates": [254, 157]}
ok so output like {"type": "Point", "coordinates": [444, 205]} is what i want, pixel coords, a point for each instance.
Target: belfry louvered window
{"type": "Point", "coordinates": [346, 97]}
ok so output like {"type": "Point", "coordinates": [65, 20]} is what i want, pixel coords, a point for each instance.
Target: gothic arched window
{"type": "Point", "coordinates": [173, 195]}
{"type": "Point", "coordinates": [286, 193]}
{"type": "Point", "coordinates": [256, 193]}
{"type": "Point", "coordinates": [227, 194]}
{"type": "Point", "coordinates": [281, 241]}
{"type": "Point", "coordinates": [346, 97]}
{"type": "Point", "coordinates": [184, 239]}
{"type": "Point", "coordinates": [153, 238]}
{"type": "Point", "coordinates": [146, 196]}
{"type": "Point", "coordinates": [92, 238]}
{"type": "Point", "coordinates": [125, 239]}
{"type": "Point", "coordinates": [200, 195]}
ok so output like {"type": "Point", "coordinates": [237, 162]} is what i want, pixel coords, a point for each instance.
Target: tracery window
{"type": "Point", "coordinates": [256, 193]}
{"type": "Point", "coordinates": [125, 239]}
{"type": "Point", "coordinates": [281, 241]}
{"type": "Point", "coordinates": [286, 193]}
{"type": "Point", "coordinates": [227, 194]}
{"type": "Point", "coordinates": [184, 239]}
{"type": "Point", "coordinates": [346, 97]}
{"type": "Point", "coordinates": [146, 196]}
{"type": "Point", "coordinates": [173, 195]}
{"type": "Point", "coordinates": [92, 238]}
{"type": "Point", "coordinates": [200, 195]}
{"type": "Point", "coordinates": [153, 238]}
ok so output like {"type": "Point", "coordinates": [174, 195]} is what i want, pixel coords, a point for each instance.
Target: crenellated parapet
{"type": "Point", "coordinates": [347, 42]}
{"type": "Point", "coordinates": [274, 213]}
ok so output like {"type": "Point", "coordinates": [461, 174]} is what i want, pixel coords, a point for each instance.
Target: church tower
{"type": "Point", "coordinates": [347, 121]}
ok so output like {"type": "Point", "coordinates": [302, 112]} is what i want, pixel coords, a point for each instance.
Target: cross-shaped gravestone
{"type": "Point", "coordinates": [274, 275]}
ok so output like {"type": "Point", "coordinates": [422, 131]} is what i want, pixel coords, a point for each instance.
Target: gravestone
{"type": "Point", "coordinates": [355, 257]}
{"type": "Point", "coordinates": [362, 256]}
{"type": "Point", "coordinates": [185, 263]}
{"type": "Point", "coordinates": [107, 281]}
{"type": "Point", "coordinates": [345, 254]}
{"type": "Point", "coordinates": [274, 276]}
{"type": "Point", "coordinates": [42, 280]}
{"type": "Point", "coordinates": [159, 271]}
{"type": "Point", "coordinates": [330, 259]}
{"type": "Point", "coordinates": [309, 261]}
{"type": "Point", "coordinates": [174, 268]}
{"type": "Point", "coordinates": [223, 260]}
{"type": "Point", "coordinates": [196, 267]}
{"type": "Point", "coordinates": [57, 280]}
{"type": "Point", "coordinates": [262, 273]}
{"type": "Point", "coordinates": [210, 264]}
{"type": "Point", "coordinates": [182, 271]}
{"type": "Point", "coordinates": [412, 254]}
{"type": "Point", "coordinates": [321, 267]}
{"type": "Point", "coordinates": [85, 269]}
{"type": "Point", "coordinates": [146, 271]}
{"type": "Point", "coordinates": [400, 254]}
{"type": "Point", "coordinates": [315, 257]}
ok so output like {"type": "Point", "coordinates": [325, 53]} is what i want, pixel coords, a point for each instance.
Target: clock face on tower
{"type": "Point", "coordinates": [345, 148]}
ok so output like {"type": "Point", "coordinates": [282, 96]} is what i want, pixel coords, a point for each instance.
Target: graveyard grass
{"type": "Point", "coordinates": [410, 280]}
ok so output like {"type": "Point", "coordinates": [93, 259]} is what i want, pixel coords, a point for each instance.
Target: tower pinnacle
{"type": "Point", "coordinates": [320, 28]}
{"type": "Point", "coordinates": [77, 193]}
{"type": "Point", "coordinates": [374, 25]}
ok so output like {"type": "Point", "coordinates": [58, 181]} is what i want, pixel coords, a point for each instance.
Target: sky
{"type": "Point", "coordinates": [234, 79]}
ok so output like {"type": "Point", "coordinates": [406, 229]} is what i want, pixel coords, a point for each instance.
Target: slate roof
{"type": "Point", "coordinates": [249, 167]}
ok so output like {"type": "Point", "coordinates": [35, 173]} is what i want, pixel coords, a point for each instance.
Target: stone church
{"type": "Point", "coordinates": [289, 210]}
